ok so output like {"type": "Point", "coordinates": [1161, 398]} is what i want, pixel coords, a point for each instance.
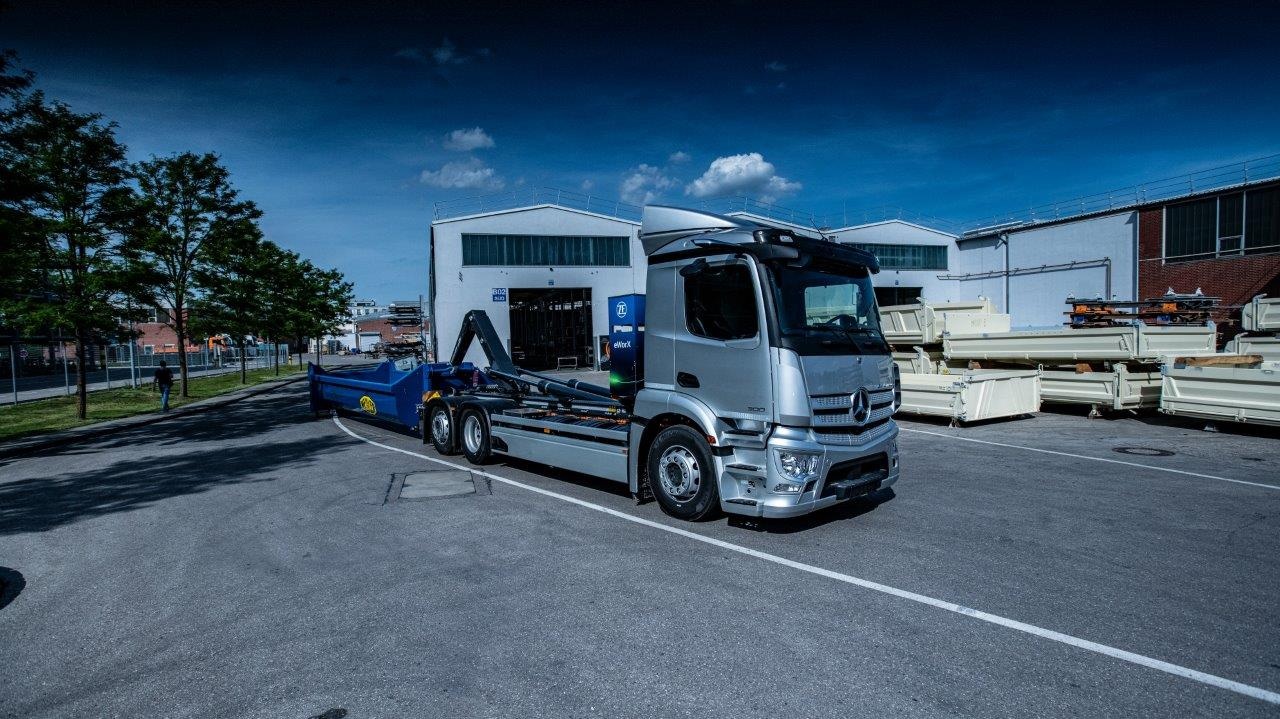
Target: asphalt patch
{"type": "Point", "coordinates": [436, 484]}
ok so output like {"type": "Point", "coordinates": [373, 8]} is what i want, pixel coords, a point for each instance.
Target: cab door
{"type": "Point", "coordinates": [721, 350]}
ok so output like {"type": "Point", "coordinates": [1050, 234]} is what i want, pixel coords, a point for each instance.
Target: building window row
{"type": "Point", "coordinates": [1233, 224]}
{"type": "Point", "coordinates": [907, 257]}
{"type": "Point", "coordinates": [545, 251]}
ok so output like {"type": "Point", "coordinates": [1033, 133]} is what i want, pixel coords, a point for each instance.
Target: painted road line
{"type": "Point", "coordinates": [1121, 654]}
{"type": "Point", "coordinates": [1095, 459]}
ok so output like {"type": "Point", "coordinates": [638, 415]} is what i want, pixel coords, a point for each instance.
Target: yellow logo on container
{"type": "Point", "coordinates": [366, 404]}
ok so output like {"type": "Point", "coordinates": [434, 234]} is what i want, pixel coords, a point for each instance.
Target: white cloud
{"type": "Point", "coordinates": [467, 140]}
{"type": "Point", "coordinates": [469, 174]}
{"type": "Point", "coordinates": [748, 174]}
{"type": "Point", "coordinates": [410, 53]}
{"type": "Point", "coordinates": [447, 54]}
{"type": "Point", "coordinates": [444, 55]}
{"type": "Point", "coordinates": [776, 66]}
{"type": "Point", "coordinates": [587, 185]}
{"type": "Point", "coordinates": [679, 157]}
{"type": "Point", "coordinates": [645, 184]}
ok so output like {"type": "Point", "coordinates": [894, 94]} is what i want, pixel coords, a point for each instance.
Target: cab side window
{"type": "Point", "coordinates": [720, 303]}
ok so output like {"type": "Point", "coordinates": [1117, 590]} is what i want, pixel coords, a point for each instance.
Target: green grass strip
{"type": "Point", "coordinates": [57, 413]}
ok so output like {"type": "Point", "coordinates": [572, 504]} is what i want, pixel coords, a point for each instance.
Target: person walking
{"type": "Point", "coordinates": [164, 380]}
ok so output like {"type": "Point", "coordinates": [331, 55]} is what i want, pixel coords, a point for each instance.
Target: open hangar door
{"type": "Point", "coordinates": [551, 328]}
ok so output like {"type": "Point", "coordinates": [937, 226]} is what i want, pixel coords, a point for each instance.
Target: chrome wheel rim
{"type": "Point", "coordinates": [472, 433]}
{"type": "Point", "coordinates": [679, 473]}
{"type": "Point", "coordinates": [440, 426]}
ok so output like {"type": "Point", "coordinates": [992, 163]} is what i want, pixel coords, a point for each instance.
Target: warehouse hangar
{"type": "Point", "coordinates": [543, 263]}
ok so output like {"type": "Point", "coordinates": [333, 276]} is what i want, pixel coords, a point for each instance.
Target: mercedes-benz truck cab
{"type": "Point", "coordinates": [770, 342]}
{"type": "Point", "coordinates": [752, 378]}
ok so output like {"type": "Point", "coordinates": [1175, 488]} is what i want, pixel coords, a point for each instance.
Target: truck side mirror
{"type": "Point", "coordinates": [696, 267]}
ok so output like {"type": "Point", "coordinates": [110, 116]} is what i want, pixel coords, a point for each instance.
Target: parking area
{"type": "Point", "coordinates": [257, 562]}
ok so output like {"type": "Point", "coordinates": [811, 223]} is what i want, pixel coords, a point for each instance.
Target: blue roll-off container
{"type": "Point", "coordinates": [385, 392]}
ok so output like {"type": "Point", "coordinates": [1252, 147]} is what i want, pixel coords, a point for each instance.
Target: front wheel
{"type": "Point", "coordinates": [476, 444]}
{"type": "Point", "coordinates": [682, 474]}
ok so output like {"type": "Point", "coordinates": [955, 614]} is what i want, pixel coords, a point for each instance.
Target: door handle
{"type": "Point", "coordinates": [684, 379]}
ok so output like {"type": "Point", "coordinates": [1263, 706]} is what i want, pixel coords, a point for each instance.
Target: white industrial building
{"type": "Point", "coordinates": [543, 263]}
{"type": "Point", "coordinates": [543, 272]}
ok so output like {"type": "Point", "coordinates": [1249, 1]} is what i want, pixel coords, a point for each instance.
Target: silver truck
{"type": "Point", "coordinates": [751, 379]}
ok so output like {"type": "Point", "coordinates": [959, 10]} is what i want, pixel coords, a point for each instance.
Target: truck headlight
{"type": "Point", "coordinates": [798, 466]}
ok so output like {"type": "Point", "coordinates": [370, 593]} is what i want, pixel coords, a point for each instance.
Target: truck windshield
{"type": "Point", "coordinates": [824, 307]}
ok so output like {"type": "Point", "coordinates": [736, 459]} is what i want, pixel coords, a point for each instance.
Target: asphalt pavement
{"type": "Point", "coordinates": [253, 561]}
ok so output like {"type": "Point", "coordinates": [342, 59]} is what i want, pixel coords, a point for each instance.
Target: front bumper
{"type": "Point", "coordinates": [845, 471]}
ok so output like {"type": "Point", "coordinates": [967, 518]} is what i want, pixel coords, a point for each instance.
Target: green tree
{"type": "Point", "coordinates": [325, 303]}
{"type": "Point", "coordinates": [280, 311]}
{"type": "Point", "coordinates": [14, 222]}
{"type": "Point", "coordinates": [232, 283]}
{"type": "Point", "coordinates": [186, 207]}
{"type": "Point", "coordinates": [65, 183]}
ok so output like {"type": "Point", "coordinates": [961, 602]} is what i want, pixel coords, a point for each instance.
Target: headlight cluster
{"type": "Point", "coordinates": [799, 466]}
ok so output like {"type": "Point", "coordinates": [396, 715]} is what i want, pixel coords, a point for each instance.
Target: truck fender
{"type": "Point", "coordinates": [678, 409]}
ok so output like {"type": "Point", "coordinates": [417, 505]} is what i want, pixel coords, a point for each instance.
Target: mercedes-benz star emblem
{"type": "Point", "coordinates": [860, 406]}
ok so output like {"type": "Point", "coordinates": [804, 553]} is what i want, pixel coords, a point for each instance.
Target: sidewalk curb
{"type": "Point", "coordinates": [20, 447]}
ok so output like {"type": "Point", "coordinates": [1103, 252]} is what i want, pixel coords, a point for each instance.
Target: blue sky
{"type": "Point", "coordinates": [346, 124]}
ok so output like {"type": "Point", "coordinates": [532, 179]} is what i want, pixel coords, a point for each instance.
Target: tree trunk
{"type": "Point", "coordinates": [275, 356]}
{"type": "Point", "coordinates": [318, 351]}
{"type": "Point", "coordinates": [82, 379]}
{"type": "Point", "coordinates": [244, 375]}
{"type": "Point", "coordinates": [180, 327]}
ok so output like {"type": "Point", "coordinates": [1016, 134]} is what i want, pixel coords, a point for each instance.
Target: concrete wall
{"type": "Point", "coordinates": [1039, 299]}
{"type": "Point", "coordinates": [460, 289]}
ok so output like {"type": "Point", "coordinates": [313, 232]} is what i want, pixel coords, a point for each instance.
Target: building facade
{"type": "Point", "coordinates": [544, 271]}
{"type": "Point", "coordinates": [1224, 243]}
{"type": "Point", "coordinates": [543, 274]}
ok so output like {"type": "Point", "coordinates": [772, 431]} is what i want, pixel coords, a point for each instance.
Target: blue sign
{"type": "Point", "coordinates": [626, 345]}
{"type": "Point", "coordinates": [499, 294]}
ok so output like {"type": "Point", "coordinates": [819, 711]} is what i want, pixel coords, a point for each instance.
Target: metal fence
{"type": "Point", "coordinates": [39, 371]}
{"type": "Point", "coordinates": [1213, 178]}
{"type": "Point", "coordinates": [463, 206]}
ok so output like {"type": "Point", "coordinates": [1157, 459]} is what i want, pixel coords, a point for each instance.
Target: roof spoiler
{"type": "Point", "coordinates": [661, 225]}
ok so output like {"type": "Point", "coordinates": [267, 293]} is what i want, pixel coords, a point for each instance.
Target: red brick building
{"type": "Point", "coordinates": [1225, 242]}
{"type": "Point", "coordinates": [385, 330]}
{"type": "Point", "coordinates": [157, 337]}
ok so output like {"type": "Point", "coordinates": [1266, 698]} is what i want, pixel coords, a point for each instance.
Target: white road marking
{"type": "Point", "coordinates": [1139, 659]}
{"type": "Point", "coordinates": [1095, 459]}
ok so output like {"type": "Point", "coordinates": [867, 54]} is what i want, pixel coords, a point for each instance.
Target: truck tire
{"type": "Point", "coordinates": [439, 430]}
{"type": "Point", "coordinates": [682, 474]}
{"type": "Point", "coordinates": [473, 428]}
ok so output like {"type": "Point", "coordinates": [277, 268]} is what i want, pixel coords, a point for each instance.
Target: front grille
{"type": "Point", "coordinates": [828, 419]}
{"type": "Point", "coordinates": [832, 410]}
{"type": "Point", "coordinates": [879, 396]}
{"type": "Point", "coordinates": [851, 436]}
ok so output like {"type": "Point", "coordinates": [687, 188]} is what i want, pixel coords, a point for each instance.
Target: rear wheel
{"type": "Point", "coordinates": [476, 444]}
{"type": "Point", "coordinates": [440, 429]}
{"type": "Point", "coordinates": [682, 474]}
